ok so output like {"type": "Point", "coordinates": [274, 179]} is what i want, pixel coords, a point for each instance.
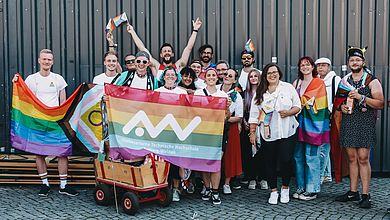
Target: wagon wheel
{"type": "Point", "coordinates": [103, 194]}
{"type": "Point", "coordinates": [165, 197]}
{"type": "Point", "coordinates": [130, 203]}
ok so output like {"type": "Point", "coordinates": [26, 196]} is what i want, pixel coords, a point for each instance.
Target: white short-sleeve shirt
{"type": "Point", "coordinates": [176, 90]}
{"type": "Point", "coordinates": [218, 93]}
{"type": "Point", "coordinates": [284, 98]}
{"type": "Point", "coordinates": [139, 83]}
{"type": "Point", "coordinates": [46, 88]}
{"type": "Point", "coordinates": [103, 78]}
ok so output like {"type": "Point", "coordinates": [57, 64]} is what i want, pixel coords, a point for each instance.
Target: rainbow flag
{"type": "Point", "coordinates": [250, 46]}
{"type": "Point", "coordinates": [110, 26]}
{"type": "Point", "coordinates": [83, 120]}
{"type": "Point", "coordinates": [185, 130]}
{"type": "Point", "coordinates": [34, 126]}
{"type": "Point", "coordinates": [314, 117]}
{"type": "Point", "coordinates": [118, 20]}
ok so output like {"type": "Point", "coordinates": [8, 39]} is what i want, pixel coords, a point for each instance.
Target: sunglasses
{"type": "Point", "coordinates": [129, 61]}
{"type": "Point", "coordinates": [246, 57]}
{"type": "Point", "coordinates": [228, 75]}
{"type": "Point", "coordinates": [142, 61]}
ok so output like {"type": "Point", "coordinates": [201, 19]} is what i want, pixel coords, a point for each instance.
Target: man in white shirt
{"type": "Point", "coordinates": [110, 62]}
{"type": "Point", "coordinates": [331, 81]}
{"type": "Point", "coordinates": [247, 59]}
{"type": "Point", "coordinates": [49, 88]}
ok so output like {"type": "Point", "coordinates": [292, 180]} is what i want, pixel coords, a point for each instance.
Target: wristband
{"type": "Point", "coordinates": [195, 30]}
{"type": "Point", "coordinates": [115, 45]}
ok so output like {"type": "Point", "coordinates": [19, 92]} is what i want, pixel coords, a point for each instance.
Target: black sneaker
{"type": "Point", "coordinates": [235, 184]}
{"type": "Point", "coordinates": [365, 202]}
{"type": "Point", "coordinates": [349, 196]}
{"type": "Point", "coordinates": [44, 190]}
{"type": "Point", "coordinates": [206, 196]}
{"type": "Point", "coordinates": [215, 198]}
{"type": "Point", "coordinates": [68, 191]}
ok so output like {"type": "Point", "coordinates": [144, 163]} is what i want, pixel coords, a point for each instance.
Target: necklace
{"type": "Point", "coordinates": [170, 87]}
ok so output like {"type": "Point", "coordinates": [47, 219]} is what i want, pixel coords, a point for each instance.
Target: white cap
{"type": "Point", "coordinates": [323, 60]}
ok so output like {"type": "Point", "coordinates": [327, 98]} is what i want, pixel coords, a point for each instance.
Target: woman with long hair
{"type": "Point", "coordinates": [188, 78]}
{"type": "Point", "coordinates": [313, 130]}
{"type": "Point", "coordinates": [274, 107]}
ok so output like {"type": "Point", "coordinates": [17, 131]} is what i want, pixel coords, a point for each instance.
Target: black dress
{"type": "Point", "coordinates": [358, 129]}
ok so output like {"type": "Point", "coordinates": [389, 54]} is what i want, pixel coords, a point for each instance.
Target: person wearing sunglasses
{"type": "Point", "coordinates": [110, 62]}
{"type": "Point", "coordinates": [141, 77]}
{"type": "Point", "coordinates": [166, 50]}
{"type": "Point", "coordinates": [130, 62]}
{"type": "Point", "coordinates": [247, 59]}
{"type": "Point", "coordinates": [231, 160]}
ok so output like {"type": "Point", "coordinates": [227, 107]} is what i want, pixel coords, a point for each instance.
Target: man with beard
{"type": "Point", "coordinates": [206, 52]}
{"type": "Point", "coordinates": [166, 51]}
{"type": "Point", "coordinates": [139, 78]}
{"type": "Point", "coordinates": [247, 59]}
{"type": "Point", "coordinates": [222, 67]}
{"type": "Point", "coordinates": [357, 129]}
{"type": "Point", "coordinates": [110, 62]}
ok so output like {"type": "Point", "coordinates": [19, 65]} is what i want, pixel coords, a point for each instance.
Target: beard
{"type": "Point", "coordinates": [247, 64]}
{"type": "Point", "coordinates": [357, 70]}
{"type": "Point", "coordinates": [167, 60]}
{"type": "Point", "coordinates": [205, 59]}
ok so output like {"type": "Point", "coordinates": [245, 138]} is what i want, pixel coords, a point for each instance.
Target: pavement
{"type": "Point", "coordinates": [23, 202]}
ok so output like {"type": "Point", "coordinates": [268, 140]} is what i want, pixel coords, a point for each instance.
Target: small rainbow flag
{"type": "Point", "coordinates": [185, 130]}
{"type": "Point", "coordinates": [116, 21]}
{"type": "Point", "coordinates": [34, 126]}
{"type": "Point", "coordinates": [250, 46]}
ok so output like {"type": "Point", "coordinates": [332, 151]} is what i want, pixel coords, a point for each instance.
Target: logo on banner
{"type": "Point", "coordinates": [169, 119]}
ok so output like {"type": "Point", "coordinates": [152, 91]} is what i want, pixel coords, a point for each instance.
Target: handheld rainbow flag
{"type": "Point", "coordinates": [182, 129]}
{"type": "Point", "coordinates": [118, 20]}
{"type": "Point", "coordinates": [250, 46]}
{"type": "Point", "coordinates": [110, 26]}
{"type": "Point", "coordinates": [34, 126]}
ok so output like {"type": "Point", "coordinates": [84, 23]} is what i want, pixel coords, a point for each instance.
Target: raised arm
{"type": "Point", "coordinates": [111, 48]}
{"type": "Point", "coordinates": [140, 45]}
{"type": "Point", "coordinates": [182, 62]}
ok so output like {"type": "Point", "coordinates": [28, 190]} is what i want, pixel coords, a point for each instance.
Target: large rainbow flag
{"type": "Point", "coordinates": [314, 117]}
{"type": "Point", "coordinates": [34, 126]}
{"type": "Point", "coordinates": [185, 130]}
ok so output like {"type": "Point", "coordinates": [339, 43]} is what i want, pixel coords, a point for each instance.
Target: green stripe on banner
{"type": "Point", "coordinates": [34, 123]}
{"type": "Point", "coordinates": [169, 136]}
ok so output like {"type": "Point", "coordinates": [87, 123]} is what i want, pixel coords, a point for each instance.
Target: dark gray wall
{"type": "Point", "coordinates": [286, 29]}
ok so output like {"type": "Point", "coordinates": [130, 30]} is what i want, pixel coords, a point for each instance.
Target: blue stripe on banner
{"type": "Point", "coordinates": [45, 138]}
{"type": "Point", "coordinates": [167, 149]}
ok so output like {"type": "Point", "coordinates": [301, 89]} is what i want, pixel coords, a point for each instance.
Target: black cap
{"type": "Point", "coordinates": [356, 51]}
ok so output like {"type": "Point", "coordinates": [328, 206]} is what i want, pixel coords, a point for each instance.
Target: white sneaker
{"type": "Point", "coordinates": [252, 184]}
{"type": "Point", "coordinates": [273, 198]}
{"type": "Point", "coordinates": [226, 189]}
{"type": "Point", "coordinates": [263, 184]}
{"type": "Point", "coordinates": [176, 195]}
{"type": "Point", "coordinates": [285, 195]}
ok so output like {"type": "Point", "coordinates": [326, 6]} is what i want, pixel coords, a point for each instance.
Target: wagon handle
{"type": "Point", "coordinates": [155, 170]}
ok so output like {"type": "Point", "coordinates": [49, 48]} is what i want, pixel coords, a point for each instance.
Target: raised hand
{"type": "Point", "coordinates": [196, 24]}
{"type": "Point", "coordinates": [129, 28]}
{"type": "Point", "coordinates": [110, 37]}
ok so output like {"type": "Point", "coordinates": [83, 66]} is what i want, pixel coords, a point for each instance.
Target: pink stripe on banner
{"type": "Point", "coordinates": [195, 164]}
{"type": "Point", "coordinates": [40, 149]}
{"type": "Point", "coordinates": [86, 135]}
{"type": "Point", "coordinates": [313, 138]}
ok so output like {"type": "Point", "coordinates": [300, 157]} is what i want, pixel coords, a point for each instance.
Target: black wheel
{"type": "Point", "coordinates": [129, 203]}
{"type": "Point", "coordinates": [103, 194]}
{"type": "Point", "coordinates": [166, 197]}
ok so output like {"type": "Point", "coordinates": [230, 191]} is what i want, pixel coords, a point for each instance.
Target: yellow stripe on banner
{"type": "Point", "coordinates": [163, 109]}
{"type": "Point", "coordinates": [29, 110]}
{"type": "Point", "coordinates": [205, 127]}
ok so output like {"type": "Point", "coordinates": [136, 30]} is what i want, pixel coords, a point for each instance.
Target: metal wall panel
{"type": "Point", "coordinates": [286, 29]}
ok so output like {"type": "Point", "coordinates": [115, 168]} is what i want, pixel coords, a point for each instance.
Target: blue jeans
{"type": "Point", "coordinates": [307, 166]}
{"type": "Point", "coordinates": [325, 165]}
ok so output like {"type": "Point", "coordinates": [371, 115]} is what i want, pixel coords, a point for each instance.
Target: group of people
{"type": "Point", "coordinates": [268, 121]}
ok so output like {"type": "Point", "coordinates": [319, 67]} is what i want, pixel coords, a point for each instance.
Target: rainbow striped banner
{"type": "Point", "coordinates": [314, 117]}
{"type": "Point", "coordinates": [185, 130]}
{"type": "Point", "coordinates": [34, 126]}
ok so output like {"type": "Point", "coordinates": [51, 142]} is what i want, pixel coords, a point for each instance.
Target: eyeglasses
{"type": "Point", "coordinates": [247, 57]}
{"type": "Point", "coordinates": [355, 61]}
{"type": "Point", "coordinates": [129, 61]}
{"type": "Point", "coordinates": [272, 73]}
{"type": "Point", "coordinates": [222, 70]}
{"type": "Point", "coordinates": [143, 61]}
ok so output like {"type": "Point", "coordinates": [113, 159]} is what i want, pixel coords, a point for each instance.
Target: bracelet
{"type": "Point", "coordinates": [115, 45]}
{"type": "Point", "coordinates": [194, 30]}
